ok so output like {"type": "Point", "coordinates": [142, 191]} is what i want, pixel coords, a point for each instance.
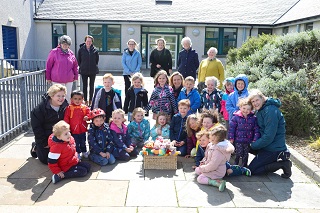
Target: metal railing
{"type": "Point", "coordinates": [11, 67]}
{"type": "Point", "coordinates": [19, 94]}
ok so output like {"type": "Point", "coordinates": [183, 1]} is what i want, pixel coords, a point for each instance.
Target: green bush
{"type": "Point", "coordinates": [301, 117]}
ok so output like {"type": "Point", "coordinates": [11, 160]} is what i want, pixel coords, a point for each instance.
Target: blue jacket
{"type": "Point", "coordinates": [131, 63]}
{"type": "Point", "coordinates": [272, 127]}
{"type": "Point", "coordinates": [178, 128]}
{"type": "Point", "coordinates": [188, 63]}
{"type": "Point", "coordinates": [233, 98]}
{"type": "Point", "coordinates": [139, 131]}
{"type": "Point", "coordinates": [100, 139]}
{"type": "Point", "coordinates": [165, 132]}
{"type": "Point", "coordinates": [193, 96]}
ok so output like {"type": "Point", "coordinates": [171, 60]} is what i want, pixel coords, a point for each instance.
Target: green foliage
{"type": "Point", "coordinates": [315, 144]}
{"type": "Point", "coordinates": [301, 117]}
{"type": "Point", "coordinates": [282, 66]}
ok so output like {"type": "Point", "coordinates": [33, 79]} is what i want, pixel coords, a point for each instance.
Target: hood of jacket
{"type": "Point", "coordinates": [271, 101]}
{"type": "Point", "coordinates": [55, 140]}
{"type": "Point", "coordinates": [225, 147]}
{"type": "Point", "coordinates": [240, 114]}
{"type": "Point", "coordinates": [244, 78]}
{"type": "Point", "coordinates": [229, 79]}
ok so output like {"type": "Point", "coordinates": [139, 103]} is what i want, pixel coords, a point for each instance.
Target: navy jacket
{"type": "Point", "coordinates": [188, 63]}
{"type": "Point", "coordinates": [133, 100]}
{"type": "Point", "coordinates": [178, 128]}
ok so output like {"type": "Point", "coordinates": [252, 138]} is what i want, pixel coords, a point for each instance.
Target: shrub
{"type": "Point", "coordinates": [315, 144]}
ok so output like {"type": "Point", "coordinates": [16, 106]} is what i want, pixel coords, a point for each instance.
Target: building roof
{"type": "Point", "coordinates": [248, 12]}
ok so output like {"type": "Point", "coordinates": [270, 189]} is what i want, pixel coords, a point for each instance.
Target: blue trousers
{"type": "Point", "coordinates": [80, 142]}
{"type": "Point", "coordinates": [98, 159]}
{"type": "Point", "coordinates": [125, 156]}
{"type": "Point", "coordinates": [79, 170]}
{"type": "Point", "coordinates": [263, 158]}
{"type": "Point", "coordinates": [182, 149]}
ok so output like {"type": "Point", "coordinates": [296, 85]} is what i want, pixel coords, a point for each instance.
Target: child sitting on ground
{"type": "Point", "coordinates": [211, 96]}
{"type": "Point", "coordinates": [243, 130]}
{"type": "Point", "coordinates": [192, 127]}
{"type": "Point", "coordinates": [161, 128]}
{"type": "Point", "coordinates": [191, 93]}
{"type": "Point", "coordinates": [136, 96]}
{"type": "Point", "coordinates": [76, 115]}
{"type": "Point", "coordinates": [213, 166]}
{"type": "Point", "coordinates": [123, 148]}
{"type": "Point", "coordinates": [178, 133]}
{"type": "Point", "coordinates": [107, 98]}
{"type": "Point", "coordinates": [100, 139]}
{"type": "Point", "coordinates": [62, 158]}
{"type": "Point", "coordinates": [139, 128]}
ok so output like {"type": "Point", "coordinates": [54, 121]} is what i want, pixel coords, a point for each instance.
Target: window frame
{"type": "Point", "coordinates": [105, 37]}
{"type": "Point", "coordinates": [55, 36]}
{"type": "Point", "coordinates": [307, 26]}
{"type": "Point", "coordinates": [220, 40]}
{"type": "Point", "coordinates": [285, 30]}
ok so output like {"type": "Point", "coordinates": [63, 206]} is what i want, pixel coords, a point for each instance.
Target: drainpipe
{"type": "Point", "coordinates": [75, 37]}
{"type": "Point", "coordinates": [250, 30]}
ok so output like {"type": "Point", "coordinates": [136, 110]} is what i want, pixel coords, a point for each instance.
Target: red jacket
{"type": "Point", "coordinates": [74, 115]}
{"type": "Point", "coordinates": [62, 155]}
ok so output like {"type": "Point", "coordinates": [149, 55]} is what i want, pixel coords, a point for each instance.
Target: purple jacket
{"type": "Point", "coordinates": [61, 67]}
{"type": "Point", "coordinates": [243, 130]}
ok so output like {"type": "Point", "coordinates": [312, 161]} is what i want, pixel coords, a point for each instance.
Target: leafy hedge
{"type": "Point", "coordinates": [286, 67]}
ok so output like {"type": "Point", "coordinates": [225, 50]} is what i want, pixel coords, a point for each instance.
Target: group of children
{"type": "Point", "coordinates": [189, 119]}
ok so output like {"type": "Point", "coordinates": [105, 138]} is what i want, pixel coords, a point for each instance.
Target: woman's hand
{"type": "Point", "coordinates": [158, 66]}
{"type": "Point", "coordinates": [49, 81]}
{"type": "Point", "coordinates": [61, 174]}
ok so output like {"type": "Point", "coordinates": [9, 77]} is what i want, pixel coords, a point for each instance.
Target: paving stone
{"type": "Point", "coordinates": [297, 176]}
{"type": "Point", "coordinates": [16, 151]}
{"type": "Point", "coordinates": [25, 139]}
{"type": "Point", "coordinates": [9, 166]}
{"type": "Point", "coordinates": [122, 171]}
{"type": "Point", "coordinates": [189, 171]}
{"type": "Point", "coordinates": [108, 209]}
{"type": "Point", "coordinates": [153, 193]}
{"type": "Point", "coordinates": [85, 193]}
{"type": "Point", "coordinates": [32, 168]}
{"type": "Point", "coordinates": [166, 209]}
{"type": "Point", "coordinates": [247, 210]}
{"type": "Point", "coordinates": [177, 174]}
{"type": "Point", "coordinates": [192, 194]}
{"type": "Point", "coordinates": [33, 209]}
{"type": "Point", "coordinates": [243, 178]}
{"type": "Point", "coordinates": [249, 194]}
{"type": "Point", "coordinates": [296, 195]}
{"type": "Point", "coordinates": [21, 191]}
{"type": "Point", "coordinates": [309, 210]}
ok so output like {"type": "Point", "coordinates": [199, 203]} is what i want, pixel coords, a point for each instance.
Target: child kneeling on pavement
{"type": "Point", "coordinates": [63, 159]}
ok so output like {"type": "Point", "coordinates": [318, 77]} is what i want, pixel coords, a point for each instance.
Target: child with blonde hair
{"type": "Point", "coordinates": [213, 166]}
{"type": "Point", "coordinates": [191, 93]}
{"type": "Point", "coordinates": [136, 96]}
{"type": "Point", "coordinates": [106, 97]}
{"type": "Point", "coordinates": [123, 148]}
{"type": "Point", "coordinates": [62, 158]}
{"type": "Point", "coordinates": [161, 128]}
{"type": "Point", "coordinates": [192, 127]}
{"type": "Point", "coordinates": [139, 128]}
{"type": "Point", "coordinates": [162, 99]}
{"type": "Point", "coordinates": [211, 95]}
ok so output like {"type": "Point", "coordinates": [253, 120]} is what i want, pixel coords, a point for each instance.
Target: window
{"type": "Point", "coordinates": [58, 30]}
{"type": "Point", "coordinates": [285, 30]}
{"type": "Point", "coordinates": [266, 31]}
{"type": "Point", "coordinates": [309, 26]}
{"type": "Point", "coordinates": [221, 38]}
{"type": "Point", "coordinates": [107, 38]}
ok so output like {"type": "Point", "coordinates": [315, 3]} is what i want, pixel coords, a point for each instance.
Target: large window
{"type": "Point", "coordinates": [107, 38]}
{"type": "Point", "coordinates": [267, 31]}
{"type": "Point", "coordinates": [309, 26]}
{"type": "Point", "coordinates": [285, 30]}
{"type": "Point", "coordinates": [57, 31]}
{"type": "Point", "coordinates": [221, 38]}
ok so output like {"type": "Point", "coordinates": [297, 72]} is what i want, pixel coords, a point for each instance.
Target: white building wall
{"type": "Point", "coordinates": [21, 14]}
{"type": "Point", "coordinates": [43, 39]}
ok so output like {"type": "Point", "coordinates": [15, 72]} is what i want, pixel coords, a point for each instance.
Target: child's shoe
{"type": "Point", "coordinates": [55, 179]}
{"type": "Point", "coordinates": [221, 184]}
{"type": "Point", "coordinates": [79, 156]}
{"type": "Point", "coordinates": [246, 171]}
{"type": "Point", "coordinates": [85, 154]}
{"type": "Point", "coordinates": [33, 150]}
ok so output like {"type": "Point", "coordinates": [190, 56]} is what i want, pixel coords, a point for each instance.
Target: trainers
{"type": "Point", "coordinates": [85, 154]}
{"type": "Point", "coordinates": [246, 171]}
{"type": "Point", "coordinates": [55, 178]}
{"type": "Point", "coordinates": [33, 150]}
{"type": "Point", "coordinates": [222, 185]}
{"type": "Point", "coordinates": [79, 156]}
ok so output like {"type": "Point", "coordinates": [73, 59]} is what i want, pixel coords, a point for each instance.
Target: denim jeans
{"type": "Point", "coordinates": [263, 158]}
{"type": "Point", "coordinates": [98, 159]}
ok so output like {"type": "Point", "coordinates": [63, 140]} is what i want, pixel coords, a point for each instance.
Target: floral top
{"type": "Point", "coordinates": [139, 131]}
{"type": "Point", "coordinates": [212, 100]}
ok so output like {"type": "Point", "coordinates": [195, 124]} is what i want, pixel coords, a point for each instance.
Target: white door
{"type": "Point", "coordinates": [171, 44]}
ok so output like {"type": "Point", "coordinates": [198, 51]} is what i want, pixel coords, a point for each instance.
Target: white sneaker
{"type": "Point", "coordinates": [79, 156]}
{"type": "Point", "coordinates": [85, 154]}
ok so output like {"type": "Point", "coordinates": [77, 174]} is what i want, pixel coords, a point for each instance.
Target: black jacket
{"type": "Point", "coordinates": [88, 60]}
{"type": "Point", "coordinates": [164, 59]}
{"type": "Point", "coordinates": [43, 117]}
{"type": "Point", "coordinates": [133, 100]}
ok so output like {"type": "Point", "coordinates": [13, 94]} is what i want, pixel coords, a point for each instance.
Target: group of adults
{"type": "Point", "coordinates": [62, 68]}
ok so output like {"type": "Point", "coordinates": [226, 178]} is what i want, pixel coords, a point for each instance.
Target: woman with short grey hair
{"type": "Point", "coordinates": [62, 65]}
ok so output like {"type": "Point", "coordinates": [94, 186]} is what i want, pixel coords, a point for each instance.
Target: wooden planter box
{"type": "Point", "coordinates": [160, 162]}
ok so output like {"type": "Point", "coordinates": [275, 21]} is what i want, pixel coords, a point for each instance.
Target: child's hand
{"type": "Point", "coordinates": [159, 132]}
{"type": "Point", "coordinates": [187, 156]}
{"type": "Point", "coordinates": [102, 154]}
{"type": "Point", "coordinates": [128, 150]}
{"type": "Point", "coordinates": [107, 155]}
{"type": "Point", "coordinates": [61, 174]}
{"type": "Point", "coordinates": [194, 167]}
{"type": "Point", "coordinates": [131, 148]}
{"type": "Point", "coordinates": [231, 141]}
{"type": "Point", "coordinates": [85, 118]}
{"type": "Point", "coordinates": [201, 163]}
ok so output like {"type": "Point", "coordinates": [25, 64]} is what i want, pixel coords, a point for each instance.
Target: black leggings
{"type": "Point", "coordinates": [127, 82]}
{"type": "Point", "coordinates": [85, 86]}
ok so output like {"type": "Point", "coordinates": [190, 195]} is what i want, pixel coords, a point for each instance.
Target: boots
{"type": "Point", "coordinates": [284, 165]}
{"type": "Point", "coordinates": [221, 184]}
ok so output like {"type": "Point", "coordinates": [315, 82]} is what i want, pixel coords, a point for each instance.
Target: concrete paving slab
{"type": "Point", "coordinates": [108, 209]}
{"type": "Point", "coordinates": [16, 151]}
{"type": "Point", "coordinates": [21, 191]}
{"type": "Point", "coordinates": [296, 195]}
{"type": "Point", "coordinates": [297, 176]}
{"type": "Point", "coordinates": [24, 139]}
{"type": "Point", "coordinates": [85, 193]}
{"type": "Point", "coordinates": [192, 194]}
{"type": "Point", "coordinates": [309, 210]}
{"type": "Point", "coordinates": [32, 168]}
{"type": "Point", "coordinates": [152, 193]}
{"type": "Point", "coordinates": [122, 171]}
{"type": "Point", "coordinates": [246, 210]}
{"type": "Point", "coordinates": [33, 209]}
{"type": "Point", "coordinates": [189, 172]}
{"type": "Point", "coordinates": [166, 209]}
{"type": "Point", "coordinates": [95, 170]}
{"type": "Point", "coordinates": [177, 174]}
{"type": "Point", "coordinates": [249, 194]}
{"type": "Point", "coordinates": [10, 166]}
{"type": "Point", "coordinates": [243, 178]}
